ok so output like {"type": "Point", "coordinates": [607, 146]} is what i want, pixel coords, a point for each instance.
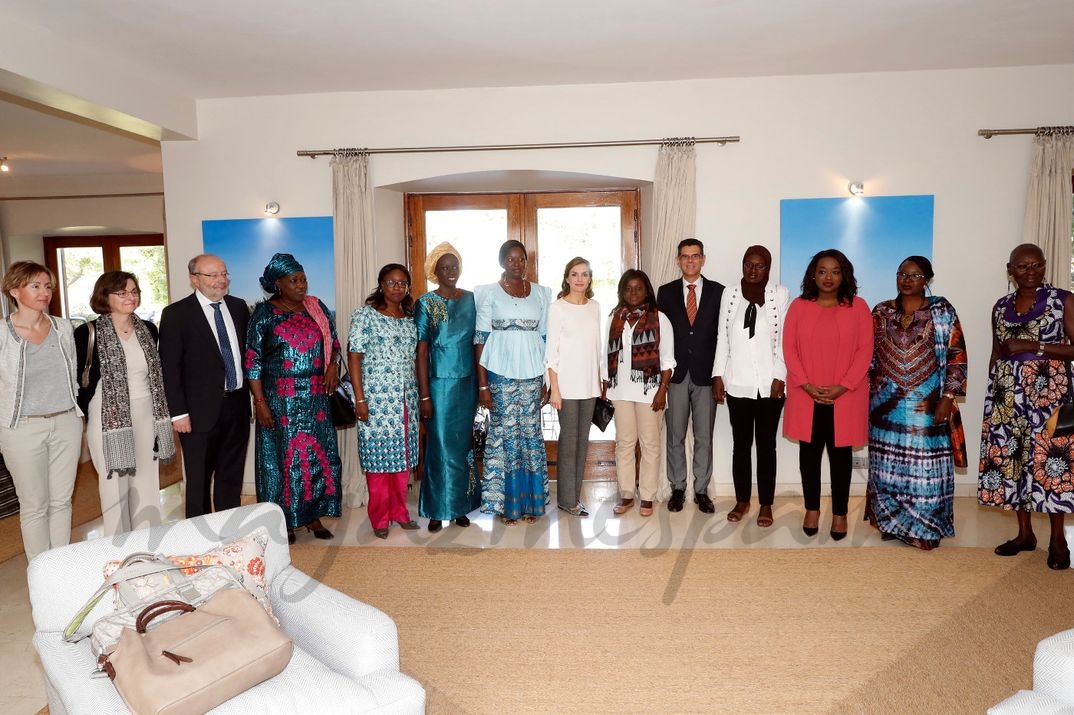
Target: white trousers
{"type": "Point", "coordinates": [636, 423]}
{"type": "Point", "coordinates": [42, 455]}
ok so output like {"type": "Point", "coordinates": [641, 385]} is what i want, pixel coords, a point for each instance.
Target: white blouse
{"type": "Point", "coordinates": [627, 390]}
{"type": "Point", "coordinates": [574, 348]}
{"type": "Point", "coordinates": [748, 366]}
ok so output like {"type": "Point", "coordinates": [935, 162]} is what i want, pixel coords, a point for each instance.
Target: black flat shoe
{"type": "Point", "coordinates": [462, 520]}
{"type": "Point", "coordinates": [838, 535]}
{"type": "Point", "coordinates": [435, 525]}
{"type": "Point", "coordinates": [1013, 548]}
{"type": "Point", "coordinates": [319, 531]}
{"type": "Point", "coordinates": [408, 525]}
{"type": "Point", "coordinates": [381, 533]}
{"type": "Point", "coordinates": [1058, 561]}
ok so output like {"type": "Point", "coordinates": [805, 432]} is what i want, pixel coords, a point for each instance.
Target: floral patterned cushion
{"type": "Point", "coordinates": [245, 556]}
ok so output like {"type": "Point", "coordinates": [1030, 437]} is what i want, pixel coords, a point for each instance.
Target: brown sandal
{"type": "Point", "coordinates": [764, 517]}
{"type": "Point", "coordinates": [623, 506]}
{"type": "Point", "coordinates": [740, 510]}
{"type": "Point", "coordinates": [646, 508]}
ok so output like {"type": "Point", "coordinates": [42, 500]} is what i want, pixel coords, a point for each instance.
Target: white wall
{"type": "Point", "coordinates": [900, 133]}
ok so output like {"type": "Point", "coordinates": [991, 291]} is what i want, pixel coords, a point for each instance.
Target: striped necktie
{"type": "Point", "coordinates": [691, 303]}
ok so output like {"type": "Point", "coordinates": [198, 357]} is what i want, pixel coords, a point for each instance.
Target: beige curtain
{"type": "Point", "coordinates": [352, 220]}
{"type": "Point", "coordinates": [674, 207]}
{"type": "Point", "coordinates": [1048, 200]}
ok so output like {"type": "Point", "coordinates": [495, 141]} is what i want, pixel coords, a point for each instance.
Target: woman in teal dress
{"type": "Point", "coordinates": [290, 362]}
{"type": "Point", "coordinates": [445, 368]}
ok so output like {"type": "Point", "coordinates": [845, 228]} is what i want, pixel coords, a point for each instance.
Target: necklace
{"type": "Point", "coordinates": [507, 289]}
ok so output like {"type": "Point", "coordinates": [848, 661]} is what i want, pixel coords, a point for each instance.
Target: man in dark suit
{"type": "Point", "coordinates": [692, 304]}
{"type": "Point", "coordinates": [201, 347]}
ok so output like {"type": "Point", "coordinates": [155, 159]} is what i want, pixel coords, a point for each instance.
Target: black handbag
{"type": "Point", "coordinates": [603, 413]}
{"type": "Point", "coordinates": [1061, 423]}
{"type": "Point", "coordinates": [342, 403]}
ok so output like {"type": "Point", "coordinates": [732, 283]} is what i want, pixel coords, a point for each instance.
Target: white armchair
{"type": "Point", "coordinates": [346, 654]}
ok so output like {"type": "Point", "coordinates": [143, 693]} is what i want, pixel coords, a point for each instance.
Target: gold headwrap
{"type": "Point", "coordinates": [441, 250]}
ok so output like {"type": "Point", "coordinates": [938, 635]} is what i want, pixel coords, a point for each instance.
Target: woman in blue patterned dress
{"type": "Point", "coordinates": [382, 344]}
{"type": "Point", "coordinates": [290, 362]}
{"type": "Point", "coordinates": [445, 319]}
{"type": "Point", "coordinates": [919, 368]}
{"type": "Point", "coordinates": [1022, 470]}
{"type": "Point", "coordinates": [512, 317]}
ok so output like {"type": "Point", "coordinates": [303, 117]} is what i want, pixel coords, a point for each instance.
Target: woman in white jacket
{"type": "Point", "coordinates": [749, 375]}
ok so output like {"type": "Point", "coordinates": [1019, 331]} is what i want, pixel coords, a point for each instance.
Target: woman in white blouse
{"type": "Point", "coordinates": [639, 358]}
{"type": "Point", "coordinates": [749, 373]}
{"type": "Point", "coordinates": [572, 357]}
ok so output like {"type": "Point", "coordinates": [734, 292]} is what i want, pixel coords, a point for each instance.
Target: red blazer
{"type": "Point", "coordinates": [850, 355]}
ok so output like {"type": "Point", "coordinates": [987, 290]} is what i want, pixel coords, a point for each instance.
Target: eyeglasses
{"type": "Point", "coordinates": [912, 276]}
{"type": "Point", "coordinates": [691, 256]}
{"type": "Point", "coordinates": [225, 274]}
{"type": "Point", "coordinates": [396, 284]}
{"type": "Point", "coordinates": [1036, 266]}
{"type": "Point", "coordinates": [126, 293]}
{"type": "Point", "coordinates": [751, 266]}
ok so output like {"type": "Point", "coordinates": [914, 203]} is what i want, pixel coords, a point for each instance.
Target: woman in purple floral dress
{"type": "Point", "coordinates": [291, 350]}
{"type": "Point", "coordinates": [1022, 469]}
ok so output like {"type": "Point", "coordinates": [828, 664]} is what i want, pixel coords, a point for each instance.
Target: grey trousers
{"type": "Point", "coordinates": [574, 421]}
{"type": "Point", "coordinates": [689, 403]}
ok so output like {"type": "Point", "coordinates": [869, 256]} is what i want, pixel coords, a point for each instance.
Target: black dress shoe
{"type": "Point", "coordinates": [704, 504]}
{"type": "Point", "coordinates": [435, 525]}
{"type": "Point", "coordinates": [1013, 548]}
{"type": "Point", "coordinates": [462, 520]}
{"type": "Point", "coordinates": [678, 497]}
{"type": "Point", "coordinates": [1058, 560]}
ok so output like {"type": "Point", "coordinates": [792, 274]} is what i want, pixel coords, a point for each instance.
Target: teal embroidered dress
{"type": "Point", "coordinates": [296, 462]}
{"type": "Point", "coordinates": [388, 440]}
{"type": "Point", "coordinates": [448, 480]}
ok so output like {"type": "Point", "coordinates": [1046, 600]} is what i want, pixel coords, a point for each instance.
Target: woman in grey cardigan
{"type": "Point", "coordinates": [40, 423]}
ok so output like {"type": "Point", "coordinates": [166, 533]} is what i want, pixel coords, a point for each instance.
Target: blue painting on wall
{"type": "Point", "coordinates": [247, 245]}
{"type": "Point", "coordinates": [875, 233]}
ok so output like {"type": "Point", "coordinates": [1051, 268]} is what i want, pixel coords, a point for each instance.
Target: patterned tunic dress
{"type": "Point", "coordinates": [388, 440]}
{"type": "Point", "coordinates": [297, 461]}
{"type": "Point", "coordinates": [916, 359]}
{"type": "Point", "coordinates": [1021, 468]}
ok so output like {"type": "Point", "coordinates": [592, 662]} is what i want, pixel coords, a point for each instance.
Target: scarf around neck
{"type": "Point", "coordinates": [644, 347]}
{"type": "Point", "coordinates": [118, 432]}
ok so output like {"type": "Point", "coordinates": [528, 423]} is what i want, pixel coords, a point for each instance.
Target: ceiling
{"type": "Point", "coordinates": [204, 49]}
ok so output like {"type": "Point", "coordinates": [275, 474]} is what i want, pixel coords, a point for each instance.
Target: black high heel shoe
{"type": "Point", "coordinates": [318, 530]}
{"type": "Point", "coordinates": [837, 535]}
{"type": "Point", "coordinates": [810, 530]}
{"type": "Point", "coordinates": [290, 536]}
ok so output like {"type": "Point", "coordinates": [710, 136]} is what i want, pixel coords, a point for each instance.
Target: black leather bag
{"type": "Point", "coordinates": [603, 413]}
{"type": "Point", "coordinates": [342, 403]}
{"type": "Point", "coordinates": [1061, 423]}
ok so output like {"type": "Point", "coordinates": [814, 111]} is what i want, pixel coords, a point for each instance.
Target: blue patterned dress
{"type": "Point", "coordinates": [916, 359]}
{"type": "Point", "coordinates": [515, 480]}
{"type": "Point", "coordinates": [296, 462]}
{"type": "Point", "coordinates": [448, 481]}
{"type": "Point", "coordinates": [388, 440]}
{"type": "Point", "coordinates": [1021, 468]}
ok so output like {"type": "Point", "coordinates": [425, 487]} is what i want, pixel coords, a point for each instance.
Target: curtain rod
{"type": "Point", "coordinates": [989, 133]}
{"type": "Point", "coordinates": [314, 153]}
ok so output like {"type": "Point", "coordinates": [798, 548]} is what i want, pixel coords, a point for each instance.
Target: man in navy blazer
{"type": "Point", "coordinates": [690, 392]}
{"type": "Point", "coordinates": [203, 380]}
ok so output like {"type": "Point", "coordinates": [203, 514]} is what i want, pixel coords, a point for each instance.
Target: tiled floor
{"type": "Point", "coordinates": [22, 688]}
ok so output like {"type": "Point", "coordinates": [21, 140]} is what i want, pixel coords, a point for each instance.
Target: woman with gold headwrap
{"type": "Point", "coordinates": [290, 362]}
{"type": "Point", "coordinates": [445, 319]}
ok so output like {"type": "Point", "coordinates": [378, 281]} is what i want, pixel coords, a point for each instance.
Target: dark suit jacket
{"type": "Point", "coordinates": [695, 346]}
{"type": "Point", "coordinates": [85, 394]}
{"type": "Point", "coordinates": [190, 358]}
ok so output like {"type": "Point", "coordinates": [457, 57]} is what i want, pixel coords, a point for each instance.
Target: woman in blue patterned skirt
{"type": "Point", "coordinates": [919, 368]}
{"type": "Point", "coordinates": [382, 344]}
{"type": "Point", "coordinates": [512, 317]}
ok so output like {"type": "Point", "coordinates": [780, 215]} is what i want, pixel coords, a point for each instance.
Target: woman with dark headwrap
{"type": "Point", "coordinates": [445, 370]}
{"type": "Point", "coordinates": [750, 375]}
{"type": "Point", "coordinates": [291, 353]}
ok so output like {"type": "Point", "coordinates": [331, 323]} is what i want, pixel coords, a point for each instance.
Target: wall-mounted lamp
{"type": "Point", "coordinates": [3, 164]}
{"type": "Point", "coordinates": [856, 188]}
{"type": "Point", "coordinates": [272, 208]}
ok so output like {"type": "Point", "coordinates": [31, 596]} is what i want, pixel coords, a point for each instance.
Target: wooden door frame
{"type": "Point", "coordinates": [110, 246]}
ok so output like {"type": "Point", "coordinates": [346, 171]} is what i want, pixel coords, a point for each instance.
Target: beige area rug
{"type": "Point", "coordinates": [708, 631]}
{"type": "Point", "coordinates": [85, 504]}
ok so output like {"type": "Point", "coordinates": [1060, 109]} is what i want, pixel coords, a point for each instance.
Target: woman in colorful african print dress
{"type": "Point", "coordinates": [291, 348]}
{"type": "Point", "coordinates": [512, 318]}
{"type": "Point", "coordinates": [445, 319]}
{"type": "Point", "coordinates": [919, 367]}
{"type": "Point", "coordinates": [382, 344]}
{"type": "Point", "coordinates": [1022, 470]}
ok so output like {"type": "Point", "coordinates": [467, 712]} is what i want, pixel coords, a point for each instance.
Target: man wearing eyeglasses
{"type": "Point", "coordinates": [201, 346]}
{"type": "Point", "coordinates": [692, 304]}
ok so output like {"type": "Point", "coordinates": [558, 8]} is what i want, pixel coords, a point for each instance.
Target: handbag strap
{"type": "Point", "coordinates": [159, 608]}
{"type": "Point", "coordinates": [135, 570]}
{"type": "Point", "coordinates": [90, 344]}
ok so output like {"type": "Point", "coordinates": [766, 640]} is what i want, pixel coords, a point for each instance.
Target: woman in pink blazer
{"type": "Point", "coordinates": [827, 345]}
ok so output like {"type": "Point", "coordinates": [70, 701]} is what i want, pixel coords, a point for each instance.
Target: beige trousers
{"type": "Point", "coordinates": [636, 423]}
{"type": "Point", "coordinates": [42, 455]}
{"type": "Point", "coordinates": [127, 503]}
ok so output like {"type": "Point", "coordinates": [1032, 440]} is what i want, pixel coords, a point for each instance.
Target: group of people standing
{"type": "Point", "coordinates": [841, 376]}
